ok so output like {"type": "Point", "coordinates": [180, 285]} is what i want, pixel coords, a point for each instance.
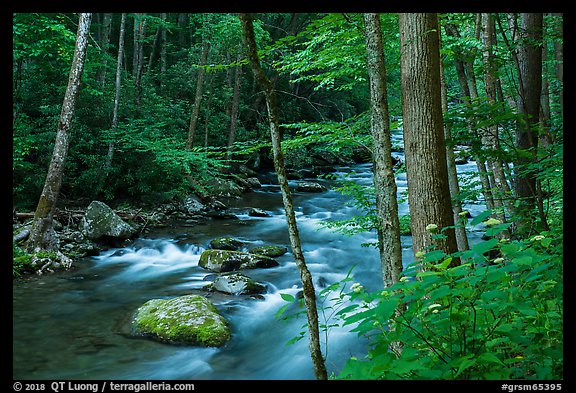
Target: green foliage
{"type": "Point", "coordinates": [20, 261]}
{"type": "Point", "coordinates": [484, 319]}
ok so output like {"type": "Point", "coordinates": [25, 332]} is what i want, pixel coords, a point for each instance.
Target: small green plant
{"type": "Point", "coordinates": [484, 319]}
{"type": "Point", "coordinates": [20, 261]}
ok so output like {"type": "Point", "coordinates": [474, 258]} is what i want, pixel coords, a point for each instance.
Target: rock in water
{"type": "Point", "coordinates": [100, 220]}
{"type": "Point", "coordinates": [225, 261]}
{"type": "Point", "coordinates": [226, 243]}
{"type": "Point", "coordinates": [190, 319]}
{"type": "Point", "coordinates": [309, 186]}
{"type": "Point", "coordinates": [269, 251]}
{"type": "Point", "coordinates": [237, 284]}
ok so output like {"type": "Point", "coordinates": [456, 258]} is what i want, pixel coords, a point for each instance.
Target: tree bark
{"type": "Point", "coordinates": [42, 234]}
{"type": "Point", "coordinates": [469, 91]}
{"type": "Point", "coordinates": [234, 109]}
{"type": "Point", "coordinates": [501, 191]}
{"type": "Point", "coordinates": [305, 276]}
{"type": "Point", "coordinates": [530, 83]}
{"type": "Point", "coordinates": [460, 230]}
{"type": "Point", "coordinates": [104, 42]}
{"type": "Point", "coordinates": [110, 155]}
{"type": "Point", "coordinates": [384, 182]}
{"type": "Point", "coordinates": [163, 55]}
{"type": "Point", "coordinates": [424, 146]}
{"type": "Point", "coordinates": [198, 95]}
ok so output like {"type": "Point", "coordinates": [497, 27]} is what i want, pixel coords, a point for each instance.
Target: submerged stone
{"type": "Point", "coordinates": [190, 319]}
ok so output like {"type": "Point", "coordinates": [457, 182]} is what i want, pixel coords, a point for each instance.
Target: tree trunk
{"type": "Point", "coordinates": [467, 79]}
{"type": "Point", "coordinates": [110, 156]}
{"type": "Point", "coordinates": [530, 83]}
{"type": "Point", "coordinates": [501, 191]}
{"type": "Point", "coordinates": [559, 55]}
{"type": "Point", "coordinates": [424, 146]}
{"type": "Point", "coordinates": [104, 42]}
{"type": "Point", "coordinates": [460, 230]}
{"type": "Point", "coordinates": [140, 62]}
{"type": "Point", "coordinates": [163, 57]}
{"type": "Point", "coordinates": [305, 276]}
{"type": "Point", "coordinates": [234, 109]}
{"type": "Point", "coordinates": [42, 234]}
{"type": "Point", "coordinates": [198, 95]}
{"type": "Point", "coordinates": [384, 182]}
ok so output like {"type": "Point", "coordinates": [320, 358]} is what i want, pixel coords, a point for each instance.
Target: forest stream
{"type": "Point", "coordinates": [74, 325]}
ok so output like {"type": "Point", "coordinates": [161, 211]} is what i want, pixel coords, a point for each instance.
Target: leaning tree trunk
{"type": "Point", "coordinates": [42, 234]}
{"type": "Point", "coordinates": [424, 146]}
{"type": "Point", "coordinates": [305, 276]}
{"type": "Point", "coordinates": [384, 183]}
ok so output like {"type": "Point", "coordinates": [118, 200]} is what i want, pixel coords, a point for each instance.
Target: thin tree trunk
{"type": "Point", "coordinates": [501, 191]}
{"type": "Point", "coordinates": [198, 95]}
{"type": "Point", "coordinates": [467, 79]}
{"type": "Point", "coordinates": [104, 42]}
{"type": "Point", "coordinates": [154, 46]}
{"type": "Point", "coordinates": [42, 234]}
{"type": "Point", "coordinates": [559, 55]}
{"type": "Point", "coordinates": [305, 276]}
{"type": "Point", "coordinates": [208, 111]}
{"type": "Point", "coordinates": [460, 230]}
{"type": "Point", "coordinates": [384, 182]}
{"type": "Point", "coordinates": [114, 125]}
{"type": "Point", "coordinates": [163, 57]}
{"type": "Point", "coordinates": [424, 146]}
{"type": "Point", "coordinates": [234, 109]}
{"type": "Point", "coordinates": [140, 64]}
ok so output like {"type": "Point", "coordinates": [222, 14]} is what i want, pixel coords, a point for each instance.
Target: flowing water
{"type": "Point", "coordinates": [74, 325]}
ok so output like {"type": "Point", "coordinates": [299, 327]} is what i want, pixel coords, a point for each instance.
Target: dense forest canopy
{"type": "Point", "coordinates": [168, 103]}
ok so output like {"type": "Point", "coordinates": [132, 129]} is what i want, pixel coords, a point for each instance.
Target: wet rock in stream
{"type": "Point", "coordinates": [226, 261]}
{"type": "Point", "coordinates": [190, 319]}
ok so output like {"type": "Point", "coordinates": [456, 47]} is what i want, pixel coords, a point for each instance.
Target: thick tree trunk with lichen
{"type": "Point", "coordinates": [384, 182]}
{"type": "Point", "coordinates": [424, 146]}
{"type": "Point", "coordinates": [305, 276]}
{"type": "Point", "coordinates": [42, 233]}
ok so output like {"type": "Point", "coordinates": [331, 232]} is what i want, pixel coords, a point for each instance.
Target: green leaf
{"type": "Point", "coordinates": [480, 217]}
{"type": "Point", "coordinates": [385, 308]}
{"type": "Point", "coordinates": [489, 357]}
{"type": "Point", "coordinates": [468, 362]}
{"type": "Point", "coordinates": [287, 297]}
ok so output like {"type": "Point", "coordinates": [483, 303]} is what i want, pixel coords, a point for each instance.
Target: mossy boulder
{"type": "Point", "coordinates": [237, 284]}
{"type": "Point", "coordinates": [308, 186]}
{"type": "Point", "coordinates": [226, 243]}
{"type": "Point", "coordinates": [190, 319]}
{"type": "Point", "coordinates": [225, 261]}
{"type": "Point", "coordinates": [269, 251]}
{"type": "Point", "coordinates": [101, 221]}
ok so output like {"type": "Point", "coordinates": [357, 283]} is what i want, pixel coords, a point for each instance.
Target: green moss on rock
{"type": "Point", "coordinates": [226, 243]}
{"type": "Point", "coordinates": [225, 261]}
{"type": "Point", "coordinates": [190, 319]}
{"type": "Point", "coordinates": [269, 251]}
